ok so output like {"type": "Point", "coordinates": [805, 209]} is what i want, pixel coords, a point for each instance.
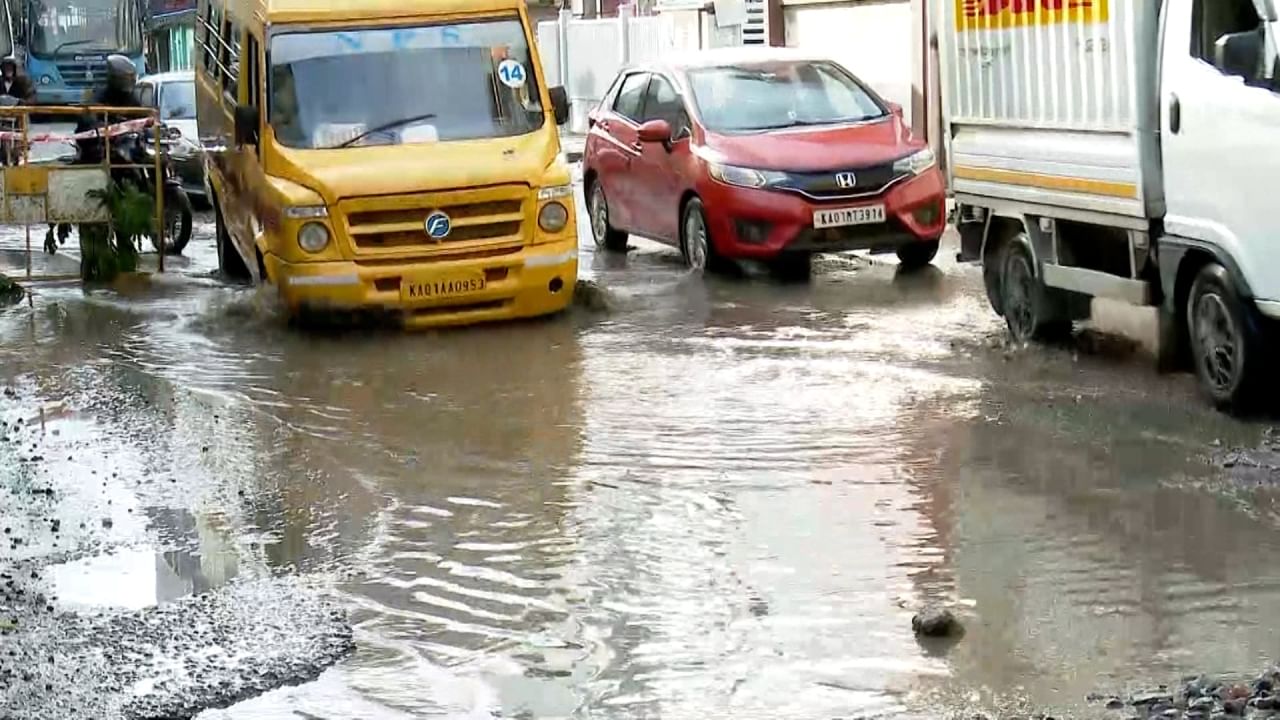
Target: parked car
{"type": "Point", "coordinates": [764, 154]}
{"type": "Point", "coordinates": [174, 95]}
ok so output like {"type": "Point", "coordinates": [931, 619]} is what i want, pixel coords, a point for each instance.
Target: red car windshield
{"type": "Point", "coordinates": [775, 95]}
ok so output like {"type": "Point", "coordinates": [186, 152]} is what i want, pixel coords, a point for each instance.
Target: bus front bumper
{"type": "Point", "coordinates": [536, 280]}
{"type": "Point", "coordinates": [59, 96]}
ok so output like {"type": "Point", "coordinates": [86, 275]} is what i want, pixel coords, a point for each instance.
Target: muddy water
{"type": "Point", "coordinates": [722, 498]}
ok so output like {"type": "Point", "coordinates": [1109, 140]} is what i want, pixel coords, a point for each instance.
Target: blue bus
{"type": "Point", "coordinates": [68, 41]}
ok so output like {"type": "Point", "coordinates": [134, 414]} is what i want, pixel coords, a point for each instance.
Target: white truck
{"type": "Point", "coordinates": [1126, 149]}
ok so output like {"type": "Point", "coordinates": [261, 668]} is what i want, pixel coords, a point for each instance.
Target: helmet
{"type": "Point", "coordinates": [121, 74]}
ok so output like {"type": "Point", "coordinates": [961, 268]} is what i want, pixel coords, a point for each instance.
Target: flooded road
{"type": "Point", "coordinates": [720, 498]}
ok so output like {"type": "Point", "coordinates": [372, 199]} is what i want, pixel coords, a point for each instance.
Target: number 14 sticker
{"type": "Point", "coordinates": [511, 73]}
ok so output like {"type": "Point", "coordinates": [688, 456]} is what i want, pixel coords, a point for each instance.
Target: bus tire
{"type": "Point", "coordinates": [230, 264]}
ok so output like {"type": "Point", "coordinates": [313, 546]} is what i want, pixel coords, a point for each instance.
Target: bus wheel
{"type": "Point", "coordinates": [230, 264]}
{"type": "Point", "coordinates": [1226, 342]}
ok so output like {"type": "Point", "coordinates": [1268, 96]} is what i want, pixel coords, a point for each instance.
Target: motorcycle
{"type": "Point", "coordinates": [139, 148]}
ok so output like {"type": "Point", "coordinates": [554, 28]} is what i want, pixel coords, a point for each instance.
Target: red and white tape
{"type": "Point", "coordinates": [121, 128]}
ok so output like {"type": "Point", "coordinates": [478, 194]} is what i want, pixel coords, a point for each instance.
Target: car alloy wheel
{"type": "Point", "coordinates": [695, 240]}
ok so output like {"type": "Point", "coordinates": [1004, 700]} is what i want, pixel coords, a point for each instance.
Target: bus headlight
{"type": "Point", "coordinates": [553, 217]}
{"type": "Point", "coordinates": [313, 237]}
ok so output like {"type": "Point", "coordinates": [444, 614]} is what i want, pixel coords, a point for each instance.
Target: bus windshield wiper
{"type": "Point", "coordinates": [71, 43]}
{"type": "Point", "coordinates": [383, 128]}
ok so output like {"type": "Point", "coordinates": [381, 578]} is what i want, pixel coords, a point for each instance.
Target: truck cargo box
{"type": "Point", "coordinates": [1053, 103]}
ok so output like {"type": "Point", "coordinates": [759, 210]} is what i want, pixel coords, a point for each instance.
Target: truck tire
{"type": "Point", "coordinates": [1227, 344]}
{"type": "Point", "coordinates": [1027, 305]}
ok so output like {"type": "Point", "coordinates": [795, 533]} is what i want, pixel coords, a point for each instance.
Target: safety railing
{"type": "Point", "coordinates": [54, 192]}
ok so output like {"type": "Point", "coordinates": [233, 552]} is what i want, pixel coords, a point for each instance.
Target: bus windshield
{"type": "Point", "coordinates": [70, 27]}
{"type": "Point", "coordinates": [398, 85]}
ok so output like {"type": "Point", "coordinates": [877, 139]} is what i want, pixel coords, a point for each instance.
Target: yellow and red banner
{"type": "Point", "coordinates": [1002, 14]}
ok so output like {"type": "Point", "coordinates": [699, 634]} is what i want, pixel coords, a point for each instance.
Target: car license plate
{"type": "Point", "coordinates": [414, 290]}
{"type": "Point", "coordinates": [837, 217]}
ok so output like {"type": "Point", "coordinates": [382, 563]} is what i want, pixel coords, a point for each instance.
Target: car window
{"type": "Point", "coordinates": [630, 96]}
{"type": "Point", "coordinates": [146, 95]}
{"type": "Point", "coordinates": [764, 96]}
{"type": "Point", "coordinates": [662, 103]}
{"type": "Point", "coordinates": [178, 101]}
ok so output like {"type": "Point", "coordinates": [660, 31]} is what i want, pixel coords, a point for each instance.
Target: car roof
{"type": "Point", "coordinates": [168, 77]}
{"type": "Point", "coordinates": [720, 57]}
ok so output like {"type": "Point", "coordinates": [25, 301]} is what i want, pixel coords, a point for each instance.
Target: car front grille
{"type": "Point", "coordinates": [480, 220]}
{"type": "Point", "coordinates": [824, 185]}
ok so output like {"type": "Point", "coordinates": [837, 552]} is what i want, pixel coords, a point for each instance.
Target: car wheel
{"type": "Point", "coordinates": [605, 236]}
{"type": "Point", "coordinates": [792, 267]}
{"type": "Point", "coordinates": [1226, 346]}
{"type": "Point", "coordinates": [917, 254]}
{"type": "Point", "coordinates": [695, 237]}
{"type": "Point", "coordinates": [1024, 298]}
{"type": "Point", "coordinates": [229, 261]}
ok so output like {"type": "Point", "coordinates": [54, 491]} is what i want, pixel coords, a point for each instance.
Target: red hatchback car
{"type": "Point", "coordinates": [759, 154]}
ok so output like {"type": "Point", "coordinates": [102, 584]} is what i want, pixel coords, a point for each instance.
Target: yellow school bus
{"type": "Point", "coordinates": [387, 155]}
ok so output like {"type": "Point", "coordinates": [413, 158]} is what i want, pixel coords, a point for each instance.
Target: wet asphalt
{"type": "Point", "coordinates": [684, 498]}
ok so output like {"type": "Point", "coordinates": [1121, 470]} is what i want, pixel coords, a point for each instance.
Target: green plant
{"type": "Point", "coordinates": [108, 249]}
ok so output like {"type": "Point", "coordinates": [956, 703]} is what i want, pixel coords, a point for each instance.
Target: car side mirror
{"type": "Point", "coordinates": [246, 120]}
{"type": "Point", "coordinates": [655, 131]}
{"type": "Point", "coordinates": [1240, 54]}
{"type": "Point", "coordinates": [559, 104]}
{"type": "Point", "coordinates": [894, 108]}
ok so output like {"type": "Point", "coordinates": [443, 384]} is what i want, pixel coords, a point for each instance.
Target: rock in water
{"type": "Point", "coordinates": [590, 296]}
{"type": "Point", "coordinates": [936, 622]}
{"type": "Point", "coordinates": [10, 292]}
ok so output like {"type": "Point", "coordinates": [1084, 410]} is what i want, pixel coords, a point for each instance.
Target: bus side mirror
{"type": "Point", "coordinates": [559, 104]}
{"type": "Point", "coordinates": [246, 125]}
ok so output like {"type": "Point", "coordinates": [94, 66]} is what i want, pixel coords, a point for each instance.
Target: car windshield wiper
{"type": "Point", "coordinates": [383, 128]}
{"type": "Point", "coordinates": [811, 123]}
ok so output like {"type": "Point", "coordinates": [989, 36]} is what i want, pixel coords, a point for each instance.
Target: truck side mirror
{"type": "Point", "coordinates": [1240, 54]}
{"type": "Point", "coordinates": [559, 104]}
{"type": "Point", "coordinates": [246, 125]}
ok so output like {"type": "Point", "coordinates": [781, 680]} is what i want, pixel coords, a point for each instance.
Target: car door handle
{"type": "Point", "coordinates": [1175, 114]}
{"type": "Point", "coordinates": [637, 146]}
{"type": "Point", "coordinates": [604, 124]}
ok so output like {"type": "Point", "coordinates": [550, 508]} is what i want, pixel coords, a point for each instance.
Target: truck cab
{"type": "Point", "coordinates": [1124, 149]}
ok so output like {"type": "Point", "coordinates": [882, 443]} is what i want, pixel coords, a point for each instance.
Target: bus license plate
{"type": "Point", "coordinates": [838, 217]}
{"type": "Point", "coordinates": [440, 288]}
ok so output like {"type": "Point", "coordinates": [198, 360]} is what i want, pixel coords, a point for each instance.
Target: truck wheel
{"type": "Point", "coordinates": [230, 264]}
{"type": "Point", "coordinates": [1024, 300]}
{"type": "Point", "coordinates": [1226, 345]}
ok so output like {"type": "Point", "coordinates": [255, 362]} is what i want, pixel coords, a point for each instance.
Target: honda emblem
{"type": "Point", "coordinates": [846, 180]}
